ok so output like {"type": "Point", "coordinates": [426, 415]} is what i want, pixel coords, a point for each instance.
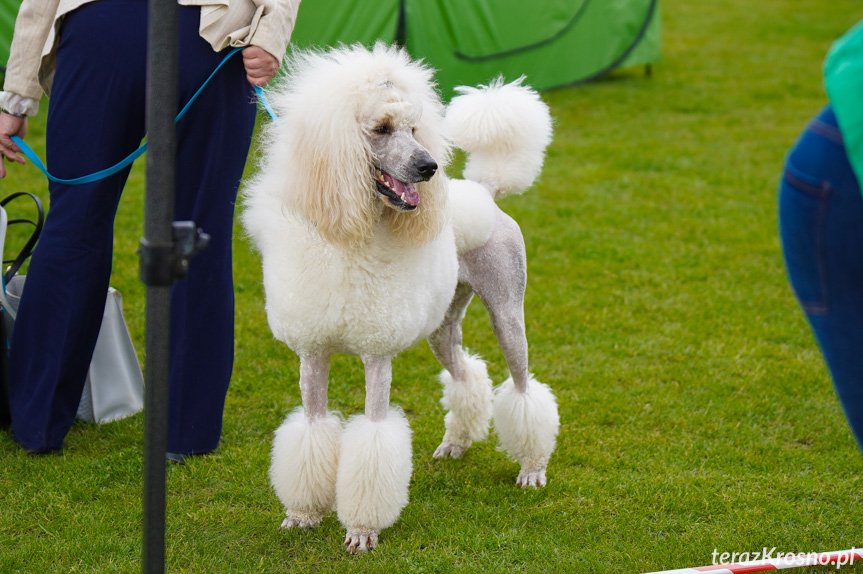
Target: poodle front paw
{"type": "Point", "coordinates": [300, 520]}
{"type": "Point", "coordinates": [360, 541]}
{"type": "Point", "coordinates": [531, 477]}
{"type": "Point", "coordinates": [450, 449]}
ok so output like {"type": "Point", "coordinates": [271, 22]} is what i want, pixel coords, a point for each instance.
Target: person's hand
{"type": "Point", "coordinates": [11, 126]}
{"type": "Point", "coordinates": [260, 65]}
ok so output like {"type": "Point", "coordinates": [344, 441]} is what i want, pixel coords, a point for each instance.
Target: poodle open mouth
{"type": "Point", "coordinates": [400, 194]}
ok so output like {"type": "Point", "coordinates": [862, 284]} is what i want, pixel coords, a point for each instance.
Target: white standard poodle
{"type": "Point", "coordinates": [368, 248]}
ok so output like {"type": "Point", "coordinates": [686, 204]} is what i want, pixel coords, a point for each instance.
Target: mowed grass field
{"type": "Point", "coordinates": [696, 412]}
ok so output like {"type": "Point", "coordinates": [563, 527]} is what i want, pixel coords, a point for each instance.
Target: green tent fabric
{"type": "Point", "coordinates": [553, 42]}
{"type": "Point", "coordinates": [8, 12]}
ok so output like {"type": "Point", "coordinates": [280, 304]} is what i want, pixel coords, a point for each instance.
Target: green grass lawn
{"type": "Point", "coordinates": [696, 412]}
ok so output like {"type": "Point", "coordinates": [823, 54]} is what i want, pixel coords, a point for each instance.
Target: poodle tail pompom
{"type": "Point", "coordinates": [505, 129]}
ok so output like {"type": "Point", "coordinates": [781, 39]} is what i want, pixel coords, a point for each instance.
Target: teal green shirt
{"type": "Point", "coordinates": [843, 79]}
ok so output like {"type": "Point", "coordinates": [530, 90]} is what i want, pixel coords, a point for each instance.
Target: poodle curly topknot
{"type": "Point", "coordinates": [367, 248]}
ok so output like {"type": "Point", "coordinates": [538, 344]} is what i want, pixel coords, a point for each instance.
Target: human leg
{"type": "Point", "coordinates": [95, 119]}
{"type": "Point", "coordinates": [213, 140]}
{"type": "Point", "coordinates": [821, 227]}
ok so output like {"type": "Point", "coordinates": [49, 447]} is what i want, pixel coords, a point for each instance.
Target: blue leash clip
{"type": "Point", "coordinates": [32, 156]}
{"type": "Point", "coordinates": [262, 97]}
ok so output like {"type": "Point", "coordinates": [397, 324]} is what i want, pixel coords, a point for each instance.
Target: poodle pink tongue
{"type": "Point", "coordinates": [411, 197]}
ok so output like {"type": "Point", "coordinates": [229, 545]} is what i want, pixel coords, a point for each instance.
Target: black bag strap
{"type": "Point", "coordinates": [27, 250]}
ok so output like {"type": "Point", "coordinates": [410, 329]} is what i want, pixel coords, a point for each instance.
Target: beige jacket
{"type": "Point", "coordinates": [30, 70]}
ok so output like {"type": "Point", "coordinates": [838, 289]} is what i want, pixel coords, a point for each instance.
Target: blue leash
{"type": "Point", "coordinates": [32, 156]}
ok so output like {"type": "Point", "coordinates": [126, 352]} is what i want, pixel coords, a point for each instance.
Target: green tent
{"type": "Point", "coordinates": [553, 42]}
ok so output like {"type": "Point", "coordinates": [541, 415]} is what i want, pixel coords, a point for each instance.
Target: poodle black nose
{"type": "Point", "coordinates": [426, 167]}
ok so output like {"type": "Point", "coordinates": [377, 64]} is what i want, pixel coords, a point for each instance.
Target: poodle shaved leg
{"type": "Point", "coordinates": [524, 411]}
{"type": "Point", "coordinates": [314, 380]}
{"type": "Point", "coordinates": [375, 463]}
{"type": "Point", "coordinates": [467, 394]}
{"type": "Point", "coordinates": [379, 378]}
{"type": "Point", "coordinates": [306, 451]}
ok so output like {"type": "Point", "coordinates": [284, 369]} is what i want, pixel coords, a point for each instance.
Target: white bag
{"type": "Point", "coordinates": [115, 384]}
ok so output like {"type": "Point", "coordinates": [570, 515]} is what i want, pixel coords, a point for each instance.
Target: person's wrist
{"type": "Point", "coordinates": [13, 114]}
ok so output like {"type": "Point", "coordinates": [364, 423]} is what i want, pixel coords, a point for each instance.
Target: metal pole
{"type": "Point", "coordinates": [158, 218]}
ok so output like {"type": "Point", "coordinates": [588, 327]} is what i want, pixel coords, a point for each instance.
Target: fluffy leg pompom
{"type": "Point", "coordinates": [469, 406]}
{"type": "Point", "coordinates": [526, 425]}
{"type": "Point", "coordinates": [373, 478]}
{"type": "Point", "coordinates": [303, 468]}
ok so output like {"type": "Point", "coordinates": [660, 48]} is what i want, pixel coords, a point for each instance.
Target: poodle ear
{"type": "Point", "coordinates": [329, 177]}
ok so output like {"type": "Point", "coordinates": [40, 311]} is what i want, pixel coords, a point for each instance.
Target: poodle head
{"type": "Point", "coordinates": [359, 145]}
{"type": "Point", "coordinates": [399, 159]}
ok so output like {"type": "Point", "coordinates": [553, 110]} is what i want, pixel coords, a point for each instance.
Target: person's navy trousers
{"type": "Point", "coordinates": [821, 228]}
{"type": "Point", "coordinates": [96, 117]}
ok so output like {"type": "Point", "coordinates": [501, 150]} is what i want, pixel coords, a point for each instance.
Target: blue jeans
{"type": "Point", "coordinates": [95, 118]}
{"type": "Point", "coordinates": [821, 227]}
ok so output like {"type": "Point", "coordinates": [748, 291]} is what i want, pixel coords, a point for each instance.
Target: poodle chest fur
{"type": "Point", "coordinates": [377, 300]}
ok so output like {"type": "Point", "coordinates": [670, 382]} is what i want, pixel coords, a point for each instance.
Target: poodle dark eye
{"type": "Point", "coordinates": [413, 130]}
{"type": "Point", "coordinates": [383, 129]}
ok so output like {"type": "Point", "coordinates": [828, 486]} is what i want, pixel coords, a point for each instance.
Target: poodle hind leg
{"type": "Point", "coordinates": [524, 410]}
{"type": "Point", "coordinates": [305, 451]}
{"type": "Point", "coordinates": [467, 394]}
{"type": "Point", "coordinates": [375, 463]}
